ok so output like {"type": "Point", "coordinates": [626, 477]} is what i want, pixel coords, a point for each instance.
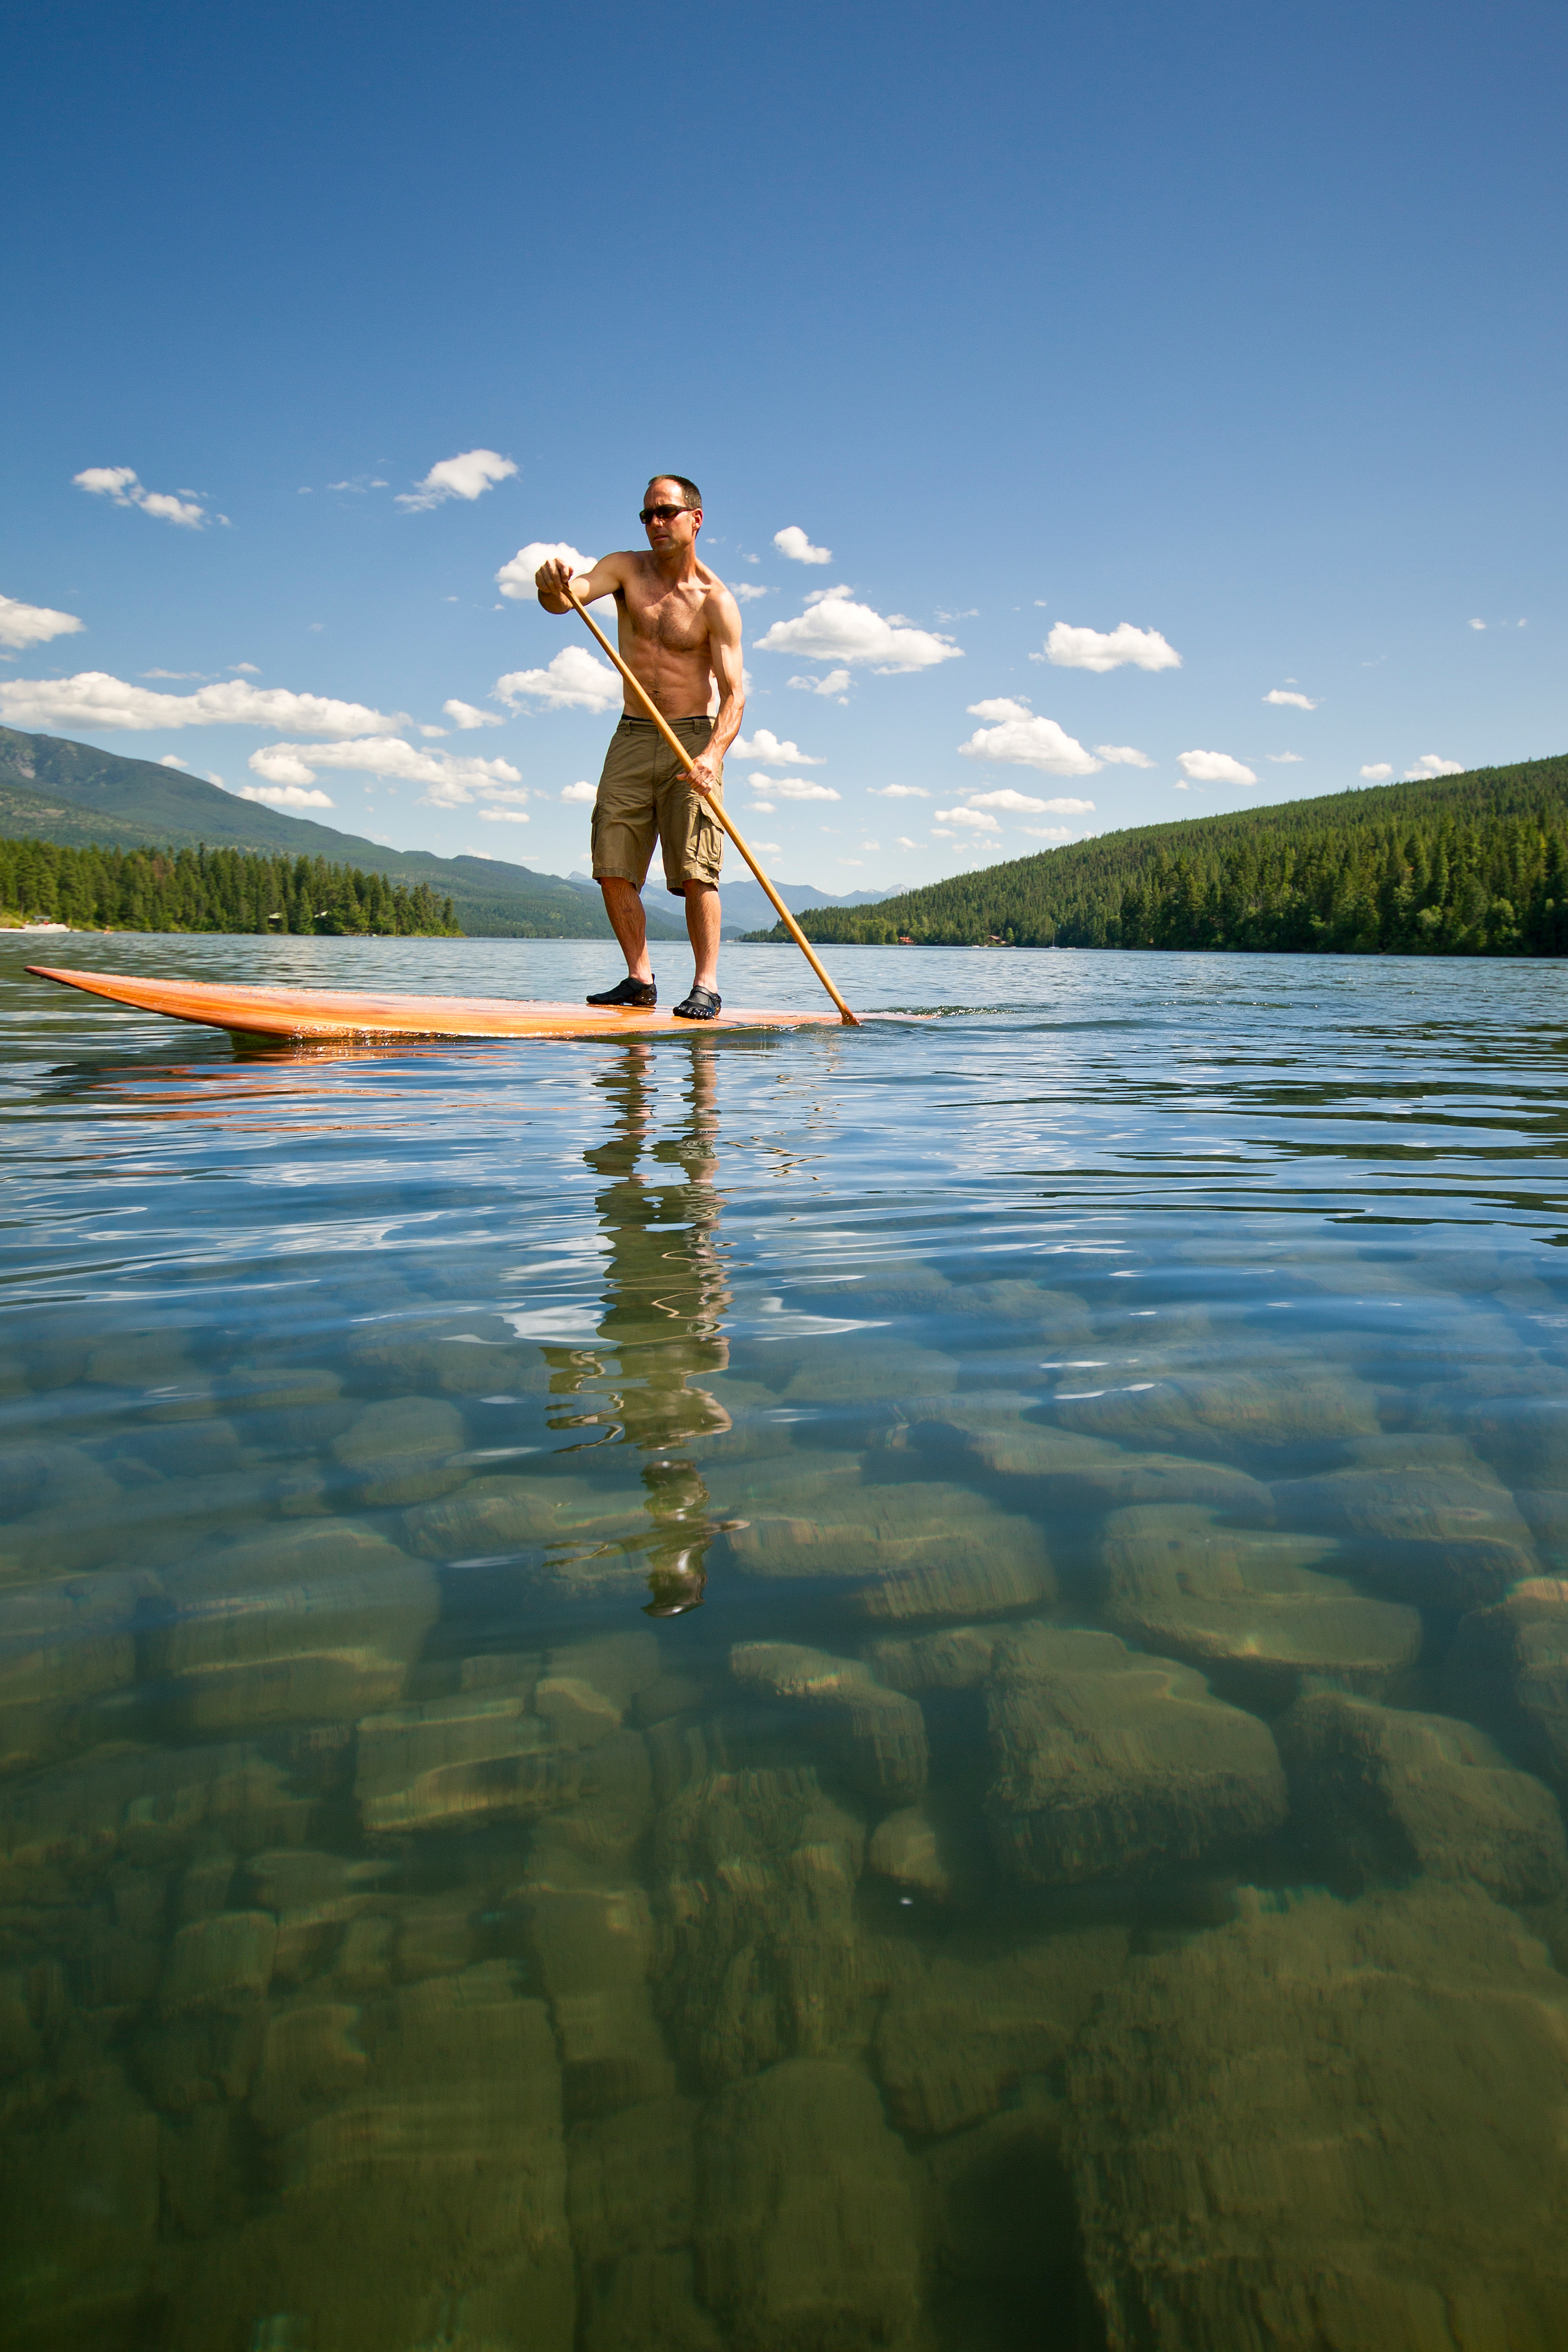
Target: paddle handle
{"type": "Point", "coordinates": [685, 757]}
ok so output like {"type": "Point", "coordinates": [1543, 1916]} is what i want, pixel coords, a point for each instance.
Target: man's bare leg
{"type": "Point", "coordinates": [624, 905]}
{"type": "Point", "coordinates": [702, 929]}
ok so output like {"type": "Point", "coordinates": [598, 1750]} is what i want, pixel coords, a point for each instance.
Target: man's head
{"type": "Point", "coordinates": [672, 513]}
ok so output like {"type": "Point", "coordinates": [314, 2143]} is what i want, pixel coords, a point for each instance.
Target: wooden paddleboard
{"type": "Point", "coordinates": [309, 1015]}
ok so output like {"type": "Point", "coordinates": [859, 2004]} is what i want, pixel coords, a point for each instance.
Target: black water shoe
{"type": "Point", "coordinates": [702, 1004]}
{"type": "Point", "coordinates": [641, 994]}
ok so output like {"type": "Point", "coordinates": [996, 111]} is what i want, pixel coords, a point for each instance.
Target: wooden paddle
{"type": "Point", "coordinates": [685, 757]}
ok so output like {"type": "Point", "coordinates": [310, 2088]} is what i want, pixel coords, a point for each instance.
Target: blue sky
{"type": "Point", "coordinates": [1124, 369]}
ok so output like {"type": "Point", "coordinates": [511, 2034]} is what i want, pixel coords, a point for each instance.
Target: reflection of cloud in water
{"type": "Point", "coordinates": [566, 1325]}
{"type": "Point", "coordinates": [787, 1323]}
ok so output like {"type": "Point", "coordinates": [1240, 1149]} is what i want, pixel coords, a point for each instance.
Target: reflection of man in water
{"type": "Point", "coordinates": [666, 1296]}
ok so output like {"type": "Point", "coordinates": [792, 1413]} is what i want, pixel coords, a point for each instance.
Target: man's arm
{"type": "Point", "coordinates": [723, 659]}
{"type": "Point", "coordinates": [551, 577]}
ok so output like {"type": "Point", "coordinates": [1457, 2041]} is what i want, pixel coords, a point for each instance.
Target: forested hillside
{"type": "Point", "coordinates": [1470, 865]}
{"type": "Point", "coordinates": [52, 789]}
{"type": "Point", "coordinates": [211, 890]}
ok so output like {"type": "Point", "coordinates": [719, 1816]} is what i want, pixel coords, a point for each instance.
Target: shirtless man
{"type": "Point", "coordinates": [679, 632]}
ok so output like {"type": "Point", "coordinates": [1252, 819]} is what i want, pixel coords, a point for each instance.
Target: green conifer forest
{"type": "Point", "coordinates": [211, 890]}
{"type": "Point", "coordinates": [1470, 865]}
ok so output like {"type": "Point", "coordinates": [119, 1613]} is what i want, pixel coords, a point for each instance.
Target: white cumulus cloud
{"type": "Point", "coordinates": [1477, 625]}
{"type": "Point", "coordinates": [766, 747]}
{"type": "Point", "coordinates": [1378, 774]}
{"type": "Point", "coordinates": [1104, 649]}
{"type": "Point", "coordinates": [793, 543]}
{"type": "Point", "coordinates": [1214, 768]}
{"type": "Point", "coordinates": [1428, 765]}
{"type": "Point", "coordinates": [834, 628]}
{"type": "Point", "coordinates": [833, 684]}
{"type": "Point", "coordinates": [1025, 804]}
{"type": "Point", "coordinates": [120, 483]}
{"type": "Point", "coordinates": [93, 698]}
{"type": "Point", "coordinates": [575, 680]}
{"type": "Point", "coordinates": [285, 796]}
{"type": "Point", "coordinates": [977, 820]}
{"type": "Point", "coordinates": [1297, 701]}
{"type": "Point", "coordinates": [33, 625]}
{"type": "Point", "coordinates": [1121, 755]}
{"type": "Point", "coordinates": [747, 591]}
{"type": "Point", "coordinates": [465, 716]}
{"type": "Point", "coordinates": [515, 579]}
{"type": "Point", "coordinates": [898, 792]}
{"type": "Point", "coordinates": [792, 788]}
{"type": "Point", "coordinates": [505, 816]}
{"type": "Point", "coordinates": [1018, 737]}
{"type": "Point", "coordinates": [1284, 759]}
{"type": "Point", "coordinates": [173, 760]}
{"type": "Point", "coordinates": [582, 792]}
{"type": "Point", "coordinates": [465, 476]}
{"type": "Point", "coordinates": [452, 779]}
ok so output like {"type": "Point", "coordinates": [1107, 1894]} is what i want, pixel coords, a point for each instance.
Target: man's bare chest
{"type": "Point", "coordinates": [671, 619]}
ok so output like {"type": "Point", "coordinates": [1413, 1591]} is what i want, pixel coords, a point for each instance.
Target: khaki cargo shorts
{"type": "Point", "coordinates": [642, 792]}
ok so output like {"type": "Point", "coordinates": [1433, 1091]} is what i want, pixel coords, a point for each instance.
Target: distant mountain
{"type": "Point", "coordinates": [55, 790]}
{"type": "Point", "coordinates": [747, 910]}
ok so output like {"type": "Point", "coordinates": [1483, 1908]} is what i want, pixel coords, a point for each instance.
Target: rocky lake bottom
{"type": "Point", "coordinates": [903, 1688]}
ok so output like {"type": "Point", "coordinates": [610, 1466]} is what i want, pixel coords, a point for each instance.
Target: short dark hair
{"type": "Point", "coordinates": [690, 492]}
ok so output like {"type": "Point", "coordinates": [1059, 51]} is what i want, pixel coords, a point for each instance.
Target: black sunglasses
{"type": "Point", "coordinates": [659, 514]}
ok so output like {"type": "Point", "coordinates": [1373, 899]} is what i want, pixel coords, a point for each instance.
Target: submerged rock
{"type": "Point", "coordinates": [592, 1951]}
{"type": "Point", "coordinates": [759, 1956]}
{"type": "Point", "coordinates": [934, 1551]}
{"type": "Point", "coordinates": [63, 1646]}
{"type": "Point", "coordinates": [1251, 1605]}
{"type": "Point", "coordinates": [220, 1963]}
{"type": "Point", "coordinates": [1441, 1534]}
{"type": "Point", "coordinates": [1268, 1404]}
{"type": "Point", "coordinates": [313, 1896]}
{"type": "Point", "coordinates": [880, 1734]}
{"type": "Point", "coordinates": [154, 1806]}
{"type": "Point", "coordinates": [1508, 1665]}
{"type": "Point", "coordinates": [315, 1618]}
{"type": "Point", "coordinates": [1086, 1473]}
{"type": "Point", "coordinates": [505, 1513]}
{"type": "Point", "coordinates": [312, 2059]}
{"type": "Point", "coordinates": [957, 1659]}
{"type": "Point", "coordinates": [586, 1689]}
{"type": "Point", "coordinates": [1380, 1794]}
{"type": "Point", "coordinates": [927, 1850]}
{"type": "Point", "coordinates": [806, 2231]}
{"type": "Point", "coordinates": [955, 2039]}
{"type": "Point", "coordinates": [79, 2189]}
{"type": "Point", "coordinates": [1105, 1760]}
{"type": "Point", "coordinates": [480, 1356]}
{"type": "Point", "coordinates": [453, 1761]}
{"type": "Point", "coordinates": [400, 1450]}
{"type": "Point", "coordinates": [631, 2198]}
{"type": "Point", "coordinates": [423, 2194]}
{"type": "Point", "coordinates": [1332, 2125]}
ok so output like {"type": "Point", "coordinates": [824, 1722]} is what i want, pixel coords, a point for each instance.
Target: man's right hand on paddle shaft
{"type": "Point", "coordinates": [551, 577]}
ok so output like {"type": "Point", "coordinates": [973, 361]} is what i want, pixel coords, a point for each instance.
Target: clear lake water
{"type": "Point", "coordinates": [787, 1692]}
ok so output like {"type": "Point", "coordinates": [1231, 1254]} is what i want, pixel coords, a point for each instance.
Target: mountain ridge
{"type": "Point", "coordinates": [53, 789]}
